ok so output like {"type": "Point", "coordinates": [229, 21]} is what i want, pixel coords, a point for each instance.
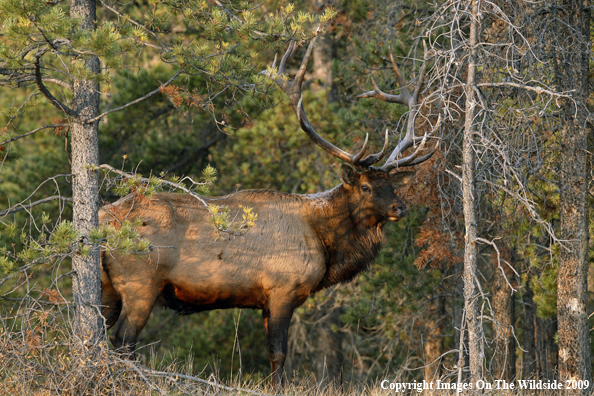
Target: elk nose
{"type": "Point", "coordinates": [399, 210]}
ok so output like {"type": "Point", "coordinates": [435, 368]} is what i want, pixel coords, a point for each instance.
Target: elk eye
{"type": "Point", "coordinates": [365, 188]}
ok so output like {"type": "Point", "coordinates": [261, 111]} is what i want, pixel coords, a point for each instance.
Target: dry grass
{"type": "Point", "coordinates": [39, 355]}
{"type": "Point", "coordinates": [34, 364]}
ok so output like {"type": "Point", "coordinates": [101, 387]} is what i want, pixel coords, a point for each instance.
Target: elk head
{"type": "Point", "coordinates": [372, 189]}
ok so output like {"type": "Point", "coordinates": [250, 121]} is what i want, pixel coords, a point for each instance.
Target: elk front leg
{"type": "Point", "coordinates": [276, 324]}
{"type": "Point", "coordinates": [137, 303]}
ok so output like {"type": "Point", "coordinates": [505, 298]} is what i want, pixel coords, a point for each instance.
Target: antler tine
{"type": "Point", "coordinates": [358, 156]}
{"type": "Point", "coordinates": [375, 158]}
{"type": "Point", "coordinates": [402, 98]}
{"type": "Point", "coordinates": [411, 101]}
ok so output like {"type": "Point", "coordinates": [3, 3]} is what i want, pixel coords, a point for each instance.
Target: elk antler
{"type": "Point", "coordinates": [409, 100]}
{"type": "Point", "coordinates": [293, 90]}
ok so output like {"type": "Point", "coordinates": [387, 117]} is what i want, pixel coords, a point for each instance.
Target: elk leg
{"type": "Point", "coordinates": [135, 313]}
{"type": "Point", "coordinates": [276, 324]}
{"type": "Point", "coordinates": [111, 303]}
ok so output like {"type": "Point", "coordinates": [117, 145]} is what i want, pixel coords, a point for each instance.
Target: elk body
{"type": "Point", "coordinates": [299, 245]}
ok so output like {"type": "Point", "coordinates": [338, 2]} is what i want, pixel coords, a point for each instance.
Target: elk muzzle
{"type": "Point", "coordinates": [397, 211]}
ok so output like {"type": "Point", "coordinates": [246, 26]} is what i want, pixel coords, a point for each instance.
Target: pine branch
{"type": "Point", "coordinates": [29, 206]}
{"type": "Point", "coordinates": [45, 92]}
{"type": "Point", "coordinates": [148, 95]}
{"type": "Point", "coordinates": [132, 21]}
{"type": "Point", "coordinates": [21, 79]}
{"type": "Point", "coordinates": [32, 132]}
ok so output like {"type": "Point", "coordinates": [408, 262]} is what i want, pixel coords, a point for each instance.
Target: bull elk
{"type": "Point", "coordinates": [300, 244]}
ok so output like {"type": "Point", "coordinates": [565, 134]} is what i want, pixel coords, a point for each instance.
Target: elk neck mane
{"type": "Point", "coordinates": [350, 247]}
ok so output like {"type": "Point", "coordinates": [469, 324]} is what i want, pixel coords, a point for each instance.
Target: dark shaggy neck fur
{"type": "Point", "coordinates": [350, 247]}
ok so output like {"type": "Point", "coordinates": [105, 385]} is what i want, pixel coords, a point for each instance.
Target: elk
{"type": "Point", "coordinates": [299, 245]}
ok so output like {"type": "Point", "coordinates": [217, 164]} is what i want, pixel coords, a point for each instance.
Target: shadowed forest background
{"type": "Point", "coordinates": [400, 319]}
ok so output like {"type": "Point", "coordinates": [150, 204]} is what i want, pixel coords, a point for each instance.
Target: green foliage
{"type": "Point", "coordinates": [225, 221]}
{"type": "Point", "coordinates": [209, 176]}
{"type": "Point", "coordinates": [228, 342]}
{"type": "Point", "coordinates": [544, 287]}
{"type": "Point", "coordinates": [381, 296]}
{"type": "Point", "coordinates": [63, 236]}
{"type": "Point", "coordinates": [137, 185]}
{"type": "Point", "coordinates": [275, 153]}
{"type": "Point", "coordinates": [120, 238]}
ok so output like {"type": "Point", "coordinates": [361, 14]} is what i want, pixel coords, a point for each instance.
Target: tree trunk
{"type": "Point", "coordinates": [572, 315]}
{"type": "Point", "coordinates": [547, 350]}
{"type": "Point", "coordinates": [471, 296]}
{"type": "Point", "coordinates": [504, 356]}
{"type": "Point", "coordinates": [86, 284]}
{"type": "Point", "coordinates": [529, 342]}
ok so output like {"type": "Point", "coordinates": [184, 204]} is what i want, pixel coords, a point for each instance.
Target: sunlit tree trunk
{"type": "Point", "coordinates": [86, 284]}
{"type": "Point", "coordinates": [471, 293]}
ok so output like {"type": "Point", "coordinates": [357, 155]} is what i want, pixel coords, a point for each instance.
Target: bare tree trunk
{"type": "Point", "coordinates": [504, 356]}
{"type": "Point", "coordinates": [86, 284]}
{"type": "Point", "coordinates": [471, 295]}
{"type": "Point", "coordinates": [529, 342]}
{"type": "Point", "coordinates": [572, 72]}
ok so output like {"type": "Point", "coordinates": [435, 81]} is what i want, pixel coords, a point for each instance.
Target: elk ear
{"type": "Point", "coordinates": [401, 179]}
{"type": "Point", "coordinates": [349, 175]}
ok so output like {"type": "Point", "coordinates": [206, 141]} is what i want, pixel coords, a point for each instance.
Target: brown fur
{"type": "Point", "coordinates": [299, 245]}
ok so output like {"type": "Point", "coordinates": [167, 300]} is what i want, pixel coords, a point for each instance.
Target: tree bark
{"type": "Point", "coordinates": [572, 73]}
{"type": "Point", "coordinates": [471, 295]}
{"type": "Point", "coordinates": [504, 356]}
{"type": "Point", "coordinates": [86, 284]}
